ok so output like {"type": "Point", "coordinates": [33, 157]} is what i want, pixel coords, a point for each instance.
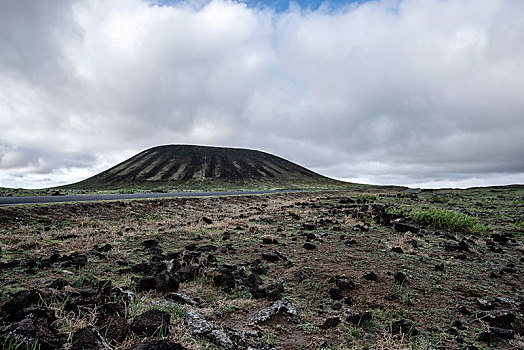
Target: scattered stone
{"type": "Point", "coordinates": [331, 322]}
{"type": "Point", "coordinates": [359, 318]}
{"type": "Point", "coordinates": [103, 248]}
{"type": "Point", "coordinates": [88, 338]}
{"type": "Point", "coordinates": [439, 267]}
{"type": "Point", "coordinates": [21, 300]}
{"type": "Point", "coordinates": [464, 311]}
{"type": "Point", "coordinates": [400, 277]}
{"type": "Point", "coordinates": [114, 327]}
{"type": "Point", "coordinates": [403, 327]}
{"type": "Point", "coordinates": [188, 273]}
{"type": "Point", "coordinates": [206, 220]}
{"type": "Point", "coordinates": [31, 334]}
{"type": "Point", "coordinates": [370, 276]}
{"type": "Point", "coordinates": [300, 276]}
{"type": "Point", "coordinates": [150, 243]}
{"type": "Point", "coordinates": [494, 334]}
{"type": "Point", "coordinates": [309, 246]}
{"type": "Point", "coordinates": [272, 257]}
{"type": "Point", "coordinates": [283, 305]}
{"type": "Point", "coordinates": [151, 322]}
{"type": "Point", "coordinates": [401, 227]}
{"type": "Point", "coordinates": [497, 318]}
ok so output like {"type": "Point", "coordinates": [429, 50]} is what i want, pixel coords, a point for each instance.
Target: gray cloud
{"type": "Point", "coordinates": [408, 92]}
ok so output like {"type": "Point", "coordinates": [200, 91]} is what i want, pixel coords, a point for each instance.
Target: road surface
{"type": "Point", "coordinates": [112, 197]}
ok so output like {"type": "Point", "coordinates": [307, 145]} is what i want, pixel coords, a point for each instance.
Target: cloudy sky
{"type": "Point", "coordinates": [409, 92]}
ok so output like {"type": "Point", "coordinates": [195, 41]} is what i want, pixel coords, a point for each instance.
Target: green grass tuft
{"type": "Point", "coordinates": [447, 219]}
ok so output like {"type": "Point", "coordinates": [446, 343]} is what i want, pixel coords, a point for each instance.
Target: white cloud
{"type": "Point", "coordinates": [406, 92]}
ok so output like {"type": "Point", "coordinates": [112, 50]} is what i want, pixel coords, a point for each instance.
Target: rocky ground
{"type": "Point", "coordinates": [332, 270]}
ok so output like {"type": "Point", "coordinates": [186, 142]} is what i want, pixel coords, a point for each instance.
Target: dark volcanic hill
{"type": "Point", "coordinates": [184, 166]}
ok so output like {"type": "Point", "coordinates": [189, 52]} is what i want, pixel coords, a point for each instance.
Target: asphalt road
{"type": "Point", "coordinates": [112, 197]}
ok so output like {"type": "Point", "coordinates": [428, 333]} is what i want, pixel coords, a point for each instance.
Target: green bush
{"type": "Point", "coordinates": [447, 219]}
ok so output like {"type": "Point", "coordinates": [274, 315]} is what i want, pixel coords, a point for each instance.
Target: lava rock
{"type": "Point", "coordinates": [331, 322]}
{"type": "Point", "coordinates": [497, 318]}
{"type": "Point", "coordinates": [370, 276]}
{"type": "Point", "coordinates": [309, 246]}
{"type": "Point", "coordinates": [31, 333]}
{"type": "Point", "coordinates": [359, 318]}
{"type": "Point", "coordinates": [400, 277]}
{"type": "Point", "coordinates": [150, 322]}
{"type": "Point", "coordinates": [401, 227]}
{"type": "Point", "coordinates": [88, 338]}
{"type": "Point", "coordinates": [272, 257]}
{"type": "Point", "coordinates": [404, 327]}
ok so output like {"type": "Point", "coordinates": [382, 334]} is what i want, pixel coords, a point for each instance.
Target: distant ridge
{"type": "Point", "coordinates": [187, 166]}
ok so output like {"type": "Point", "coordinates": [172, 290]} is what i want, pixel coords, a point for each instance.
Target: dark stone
{"type": "Point", "coordinates": [439, 267]}
{"type": "Point", "coordinates": [258, 268]}
{"type": "Point", "coordinates": [336, 293]}
{"type": "Point", "coordinates": [331, 322]}
{"type": "Point", "coordinates": [58, 284]}
{"type": "Point", "coordinates": [159, 345]}
{"type": "Point", "coordinates": [21, 300]}
{"type": "Point", "coordinates": [148, 267]}
{"type": "Point", "coordinates": [166, 282]}
{"type": "Point", "coordinates": [494, 334]}
{"type": "Point", "coordinates": [348, 300]}
{"type": "Point", "coordinates": [88, 338]}
{"type": "Point", "coordinates": [404, 327]}
{"type": "Point", "coordinates": [150, 322]}
{"type": "Point", "coordinates": [400, 277]}
{"type": "Point", "coordinates": [397, 250]}
{"type": "Point", "coordinates": [273, 257]}
{"type": "Point", "coordinates": [359, 318]}
{"type": "Point", "coordinates": [206, 248]}
{"type": "Point", "coordinates": [188, 273]}
{"type": "Point", "coordinates": [118, 309]}
{"type": "Point", "coordinates": [500, 238]}
{"type": "Point", "coordinates": [336, 306]}
{"type": "Point", "coordinates": [497, 318]}
{"type": "Point", "coordinates": [146, 284]}
{"type": "Point", "coordinates": [464, 311]}
{"type": "Point", "coordinates": [206, 220]}
{"type": "Point", "coordinates": [400, 227]}
{"type": "Point", "coordinates": [35, 312]}
{"type": "Point", "coordinates": [259, 293]}
{"type": "Point", "coordinates": [150, 243]}
{"type": "Point", "coordinates": [370, 276]}
{"type": "Point", "coordinates": [300, 276]}
{"type": "Point", "coordinates": [344, 284]}
{"type": "Point", "coordinates": [309, 246]}
{"type": "Point", "coordinates": [31, 333]}
{"type": "Point", "coordinates": [253, 281]}
{"type": "Point", "coordinates": [274, 292]}
{"type": "Point", "coordinates": [113, 327]}
{"type": "Point", "coordinates": [103, 248]}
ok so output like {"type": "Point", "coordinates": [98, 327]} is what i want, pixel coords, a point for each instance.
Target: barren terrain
{"type": "Point", "coordinates": [335, 270]}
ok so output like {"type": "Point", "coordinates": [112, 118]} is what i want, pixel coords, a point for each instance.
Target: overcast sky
{"type": "Point", "coordinates": [414, 92]}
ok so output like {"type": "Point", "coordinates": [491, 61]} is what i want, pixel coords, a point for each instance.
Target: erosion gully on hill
{"type": "Point", "coordinates": [334, 270]}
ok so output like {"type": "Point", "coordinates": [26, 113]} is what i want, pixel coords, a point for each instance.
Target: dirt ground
{"type": "Point", "coordinates": [359, 271]}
